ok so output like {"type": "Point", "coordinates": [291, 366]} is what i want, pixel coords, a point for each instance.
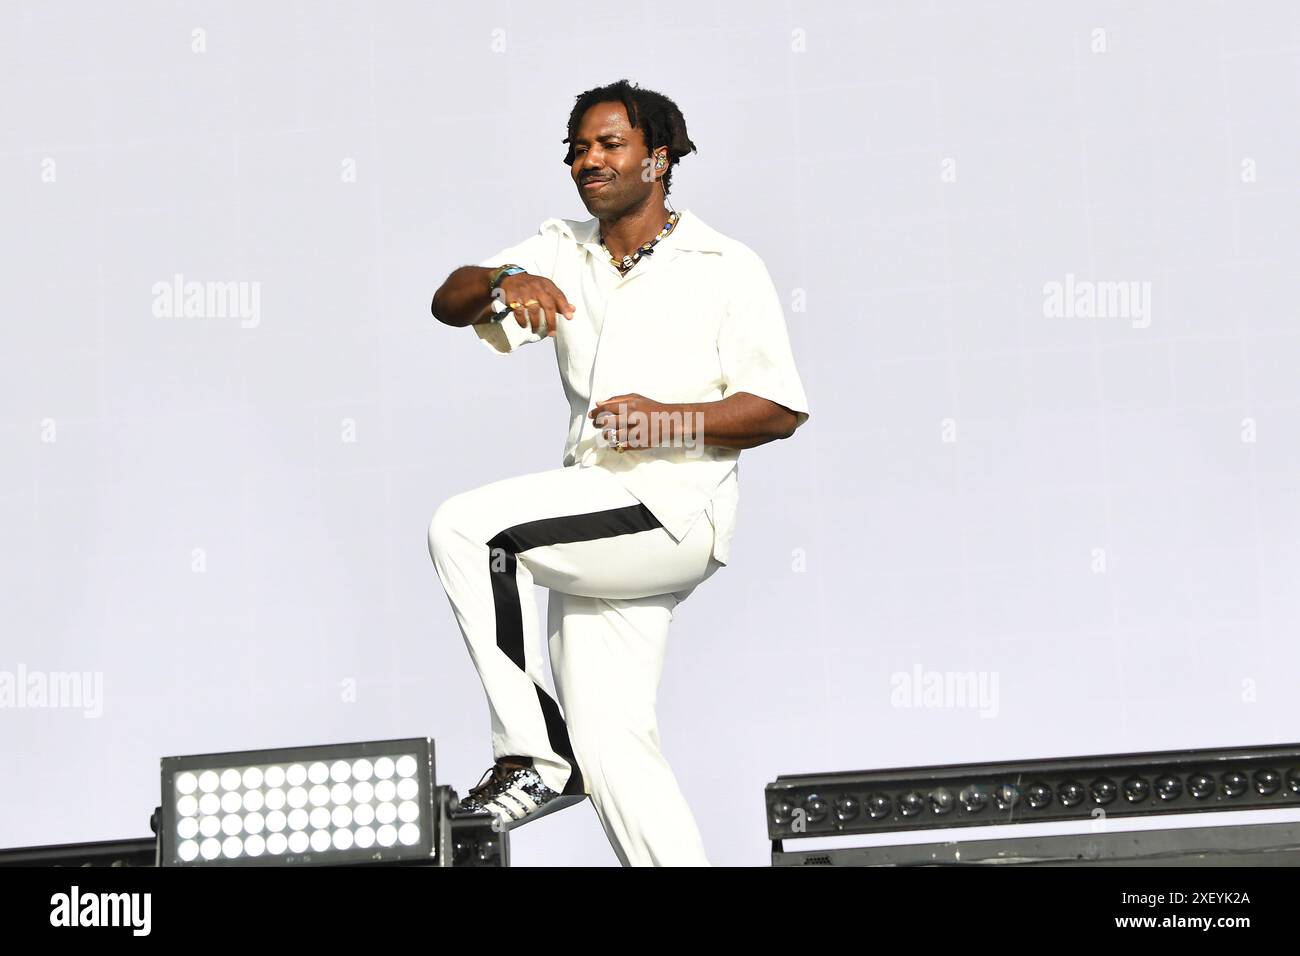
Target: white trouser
{"type": "Point", "coordinates": [615, 576]}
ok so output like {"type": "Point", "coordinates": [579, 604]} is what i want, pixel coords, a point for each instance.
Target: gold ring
{"type": "Point", "coordinates": [515, 305]}
{"type": "Point", "coordinates": [532, 302]}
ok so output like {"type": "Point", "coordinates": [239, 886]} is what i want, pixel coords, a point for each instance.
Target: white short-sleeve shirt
{"type": "Point", "coordinates": [695, 321]}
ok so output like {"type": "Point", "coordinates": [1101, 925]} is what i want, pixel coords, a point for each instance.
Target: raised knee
{"type": "Point", "coordinates": [443, 526]}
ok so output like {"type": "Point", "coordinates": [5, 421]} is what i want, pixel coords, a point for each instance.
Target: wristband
{"type": "Point", "coordinates": [500, 273]}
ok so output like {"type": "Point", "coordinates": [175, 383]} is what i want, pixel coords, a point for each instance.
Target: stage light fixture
{"type": "Point", "coordinates": [1244, 778]}
{"type": "Point", "coordinates": [325, 805]}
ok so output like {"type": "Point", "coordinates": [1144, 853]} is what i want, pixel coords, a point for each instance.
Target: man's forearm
{"type": "Point", "coordinates": [741, 420]}
{"type": "Point", "coordinates": [464, 297]}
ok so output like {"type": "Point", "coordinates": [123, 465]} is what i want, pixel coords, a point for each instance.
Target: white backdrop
{"type": "Point", "coordinates": [1092, 515]}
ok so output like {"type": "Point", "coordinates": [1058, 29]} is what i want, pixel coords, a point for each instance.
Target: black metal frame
{"type": "Point", "coordinates": [142, 852]}
{"type": "Point", "coordinates": [1254, 844]}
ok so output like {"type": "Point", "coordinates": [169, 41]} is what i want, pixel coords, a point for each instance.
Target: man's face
{"type": "Point", "coordinates": [610, 154]}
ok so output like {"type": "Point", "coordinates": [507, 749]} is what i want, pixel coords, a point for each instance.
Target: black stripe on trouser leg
{"type": "Point", "coordinates": [509, 612]}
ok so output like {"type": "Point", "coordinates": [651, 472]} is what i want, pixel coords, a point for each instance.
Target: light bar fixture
{"type": "Point", "coordinates": [328, 805]}
{"type": "Point", "coordinates": [1121, 785]}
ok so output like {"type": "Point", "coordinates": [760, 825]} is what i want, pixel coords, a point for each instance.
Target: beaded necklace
{"type": "Point", "coordinates": [645, 250]}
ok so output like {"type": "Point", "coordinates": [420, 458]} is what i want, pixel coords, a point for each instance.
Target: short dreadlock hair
{"type": "Point", "coordinates": [658, 118]}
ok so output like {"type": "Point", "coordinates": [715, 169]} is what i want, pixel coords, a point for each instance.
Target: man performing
{"type": "Point", "coordinates": [674, 355]}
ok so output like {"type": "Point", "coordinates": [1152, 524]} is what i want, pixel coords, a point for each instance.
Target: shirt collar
{"type": "Point", "coordinates": [690, 233]}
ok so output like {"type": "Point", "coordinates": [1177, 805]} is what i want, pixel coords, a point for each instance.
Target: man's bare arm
{"type": "Point", "coordinates": [463, 299]}
{"type": "Point", "coordinates": [741, 420]}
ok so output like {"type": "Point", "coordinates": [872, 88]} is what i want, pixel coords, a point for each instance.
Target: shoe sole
{"type": "Point", "coordinates": [559, 803]}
